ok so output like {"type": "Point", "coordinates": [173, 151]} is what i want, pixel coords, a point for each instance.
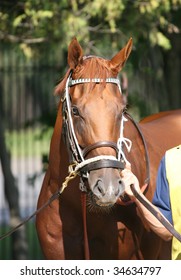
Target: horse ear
{"type": "Point", "coordinates": [75, 53]}
{"type": "Point", "coordinates": [118, 61]}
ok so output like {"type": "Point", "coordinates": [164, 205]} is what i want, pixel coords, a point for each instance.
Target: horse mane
{"type": "Point", "coordinates": [92, 67]}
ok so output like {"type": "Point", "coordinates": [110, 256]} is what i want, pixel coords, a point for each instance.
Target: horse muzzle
{"type": "Point", "coordinates": [103, 175]}
{"type": "Point", "coordinates": [106, 186]}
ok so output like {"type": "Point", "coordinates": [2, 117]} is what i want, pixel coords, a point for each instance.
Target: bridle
{"type": "Point", "coordinates": [77, 155]}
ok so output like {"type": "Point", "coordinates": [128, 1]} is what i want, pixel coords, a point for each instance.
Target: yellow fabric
{"type": "Point", "coordinates": [173, 172]}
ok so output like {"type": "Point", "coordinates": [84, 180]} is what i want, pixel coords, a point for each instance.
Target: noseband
{"type": "Point", "coordinates": [100, 144]}
{"type": "Point", "coordinates": [78, 155]}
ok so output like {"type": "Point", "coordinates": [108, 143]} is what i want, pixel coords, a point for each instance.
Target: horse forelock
{"type": "Point", "coordinates": [94, 67]}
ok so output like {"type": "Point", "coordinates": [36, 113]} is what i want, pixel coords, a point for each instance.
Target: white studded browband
{"type": "Point", "coordinates": [94, 80]}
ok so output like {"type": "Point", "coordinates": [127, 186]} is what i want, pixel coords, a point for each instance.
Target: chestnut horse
{"type": "Point", "coordinates": [94, 133]}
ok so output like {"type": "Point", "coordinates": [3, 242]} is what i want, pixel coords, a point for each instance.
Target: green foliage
{"type": "Point", "coordinates": [34, 142]}
{"type": "Point", "coordinates": [36, 21]}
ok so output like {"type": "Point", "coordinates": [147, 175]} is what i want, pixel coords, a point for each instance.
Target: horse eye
{"type": "Point", "coordinates": [75, 111]}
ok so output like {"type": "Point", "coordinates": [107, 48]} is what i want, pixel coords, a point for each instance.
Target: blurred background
{"type": "Point", "coordinates": [34, 37]}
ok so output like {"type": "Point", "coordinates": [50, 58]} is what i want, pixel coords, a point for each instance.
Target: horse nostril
{"type": "Point", "coordinates": [120, 184]}
{"type": "Point", "coordinates": [119, 188]}
{"type": "Point", "coordinates": [117, 191]}
{"type": "Point", "coordinates": [99, 188]}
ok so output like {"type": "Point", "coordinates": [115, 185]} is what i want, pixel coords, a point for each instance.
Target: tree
{"type": "Point", "coordinates": [103, 27]}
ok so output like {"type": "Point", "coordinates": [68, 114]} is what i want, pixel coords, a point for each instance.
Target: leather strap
{"type": "Point", "coordinates": [157, 215]}
{"type": "Point", "coordinates": [99, 144]}
{"type": "Point", "coordinates": [103, 163]}
{"type": "Point", "coordinates": [48, 202]}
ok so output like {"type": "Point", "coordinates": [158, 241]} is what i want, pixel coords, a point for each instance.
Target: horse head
{"type": "Point", "coordinates": [93, 114]}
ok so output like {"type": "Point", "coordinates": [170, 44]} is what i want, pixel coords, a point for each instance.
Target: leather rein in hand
{"type": "Point", "coordinates": [157, 214]}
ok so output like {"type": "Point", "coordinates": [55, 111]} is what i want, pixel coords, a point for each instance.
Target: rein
{"type": "Point", "coordinates": [56, 195]}
{"type": "Point", "coordinates": [157, 215]}
{"type": "Point", "coordinates": [52, 198]}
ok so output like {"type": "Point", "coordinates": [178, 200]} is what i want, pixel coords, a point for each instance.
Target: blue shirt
{"type": "Point", "coordinates": [161, 197]}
